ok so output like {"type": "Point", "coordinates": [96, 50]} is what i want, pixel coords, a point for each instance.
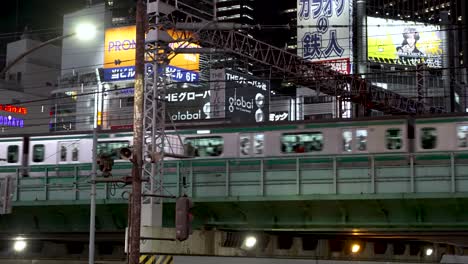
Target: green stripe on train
{"type": "Point", "coordinates": [74, 137]}
{"type": "Point", "coordinates": [239, 130]}
{"type": "Point", "coordinates": [356, 124]}
{"type": "Point", "coordinates": [11, 140]}
{"type": "Point", "coordinates": [441, 120]}
{"type": "Point", "coordinates": [198, 163]}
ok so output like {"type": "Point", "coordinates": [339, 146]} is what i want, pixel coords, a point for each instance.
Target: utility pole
{"type": "Point", "coordinates": [96, 126]}
{"type": "Point", "coordinates": [138, 114]}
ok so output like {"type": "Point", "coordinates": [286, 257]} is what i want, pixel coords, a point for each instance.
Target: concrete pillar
{"type": "Point", "coordinates": [464, 47]}
{"type": "Point", "coordinates": [448, 56]}
{"type": "Point", "coordinates": [360, 46]}
{"type": "Point", "coordinates": [361, 37]}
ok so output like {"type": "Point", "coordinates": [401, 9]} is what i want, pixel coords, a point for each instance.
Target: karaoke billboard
{"type": "Point", "coordinates": [324, 32]}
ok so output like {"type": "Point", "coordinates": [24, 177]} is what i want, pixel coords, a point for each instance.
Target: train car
{"type": "Point", "coordinates": [288, 139]}
{"type": "Point", "coordinates": [60, 154]}
{"type": "Point", "coordinates": [57, 155]}
{"type": "Point", "coordinates": [441, 134]}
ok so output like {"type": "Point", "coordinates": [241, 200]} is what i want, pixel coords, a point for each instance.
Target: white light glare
{"type": "Point", "coordinates": [200, 132]}
{"type": "Point", "coordinates": [20, 244]}
{"type": "Point", "coordinates": [85, 31]}
{"type": "Point", "coordinates": [250, 241]}
{"type": "Point", "coordinates": [355, 248]}
{"type": "Point", "coordinates": [429, 251]}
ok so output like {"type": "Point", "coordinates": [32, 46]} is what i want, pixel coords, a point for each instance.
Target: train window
{"type": "Point", "coordinates": [258, 144]}
{"type": "Point", "coordinates": [204, 146]}
{"type": "Point", "coordinates": [112, 148]}
{"type": "Point", "coordinates": [75, 152]}
{"type": "Point", "coordinates": [245, 145]}
{"type": "Point", "coordinates": [462, 134]}
{"type": "Point", "coordinates": [347, 140]}
{"type": "Point", "coordinates": [428, 138]}
{"type": "Point", "coordinates": [302, 142]}
{"type": "Point", "coordinates": [38, 153]}
{"type": "Point", "coordinates": [361, 139]}
{"type": "Point", "coordinates": [63, 153]}
{"type": "Point", "coordinates": [393, 138]}
{"type": "Point", "coordinates": [12, 154]}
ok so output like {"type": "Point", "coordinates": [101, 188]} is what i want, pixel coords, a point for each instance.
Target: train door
{"type": "Point", "coordinates": [68, 152]}
{"type": "Point", "coordinates": [251, 145]}
{"type": "Point", "coordinates": [354, 140]}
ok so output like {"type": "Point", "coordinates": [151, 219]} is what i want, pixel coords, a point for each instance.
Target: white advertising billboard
{"type": "Point", "coordinates": [324, 32]}
{"type": "Point", "coordinates": [404, 42]}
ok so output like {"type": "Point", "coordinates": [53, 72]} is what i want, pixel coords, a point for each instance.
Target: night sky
{"type": "Point", "coordinates": [44, 17]}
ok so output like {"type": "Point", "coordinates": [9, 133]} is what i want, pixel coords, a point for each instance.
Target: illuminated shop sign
{"type": "Point", "coordinates": [119, 56]}
{"type": "Point", "coordinates": [279, 116]}
{"type": "Point", "coordinates": [128, 73]}
{"type": "Point", "coordinates": [14, 109]}
{"type": "Point", "coordinates": [324, 32]}
{"type": "Point", "coordinates": [10, 121]}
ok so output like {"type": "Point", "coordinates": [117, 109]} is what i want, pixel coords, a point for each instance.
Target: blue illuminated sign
{"type": "Point", "coordinates": [119, 74]}
{"type": "Point", "coordinates": [127, 73]}
{"type": "Point", "coordinates": [10, 121]}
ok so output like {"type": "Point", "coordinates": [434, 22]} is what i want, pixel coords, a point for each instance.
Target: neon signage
{"type": "Point", "coordinates": [14, 109]}
{"type": "Point", "coordinates": [10, 121]}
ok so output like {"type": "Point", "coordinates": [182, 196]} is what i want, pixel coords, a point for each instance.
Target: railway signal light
{"type": "Point", "coordinates": [184, 218]}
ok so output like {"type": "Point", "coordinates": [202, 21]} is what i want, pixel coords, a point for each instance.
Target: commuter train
{"type": "Point", "coordinates": [35, 153]}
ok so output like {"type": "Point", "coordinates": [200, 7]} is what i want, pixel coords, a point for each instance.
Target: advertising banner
{"type": "Point", "coordinates": [119, 46]}
{"type": "Point", "coordinates": [402, 42]}
{"type": "Point", "coordinates": [324, 32]}
{"type": "Point", "coordinates": [184, 102]}
{"type": "Point", "coordinates": [188, 102]}
{"type": "Point", "coordinates": [119, 57]}
{"type": "Point", "coordinates": [246, 97]}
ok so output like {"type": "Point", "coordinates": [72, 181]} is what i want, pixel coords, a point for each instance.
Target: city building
{"type": "Point", "coordinates": [413, 48]}
{"type": "Point", "coordinates": [349, 43]}
{"type": "Point", "coordinates": [235, 11]}
{"type": "Point", "coordinates": [24, 105]}
{"type": "Point", "coordinates": [36, 73]}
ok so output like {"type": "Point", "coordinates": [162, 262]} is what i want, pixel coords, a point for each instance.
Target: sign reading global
{"type": "Point", "coordinates": [246, 97]}
{"type": "Point", "coordinates": [188, 102]}
{"type": "Point", "coordinates": [404, 42]}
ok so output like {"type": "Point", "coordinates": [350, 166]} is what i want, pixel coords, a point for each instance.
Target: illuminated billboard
{"type": "Point", "coordinates": [402, 42]}
{"type": "Point", "coordinates": [247, 98]}
{"type": "Point", "coordinates": [188, 103]}
{"type": "Point", "coordinates": [239, 97]}
{"type": "Point", "coordinates": [324, 32]}
{"type": "Point", "coordinates": [119, 57]}
{"type": "Point", "coordinates": [119, 46]}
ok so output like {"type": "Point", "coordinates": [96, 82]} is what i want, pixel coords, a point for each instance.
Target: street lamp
{"type": "Point", "coordinates": [429, 251]}
{"type": "Point", "coordinates": [355, 248]}
{"type": "Point", "coordinates": [249, 242]}
{"type": "Point", "coordinates": [20, 244]}
{"type": "Point", "coordinates": [83, 32]}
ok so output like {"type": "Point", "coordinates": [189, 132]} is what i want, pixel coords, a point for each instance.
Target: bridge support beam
{"type": "Point", "coordinates": [157, 240]}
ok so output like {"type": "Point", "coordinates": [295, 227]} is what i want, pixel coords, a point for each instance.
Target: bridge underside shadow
{"type": "Point", "coordinates": [304, 213]}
